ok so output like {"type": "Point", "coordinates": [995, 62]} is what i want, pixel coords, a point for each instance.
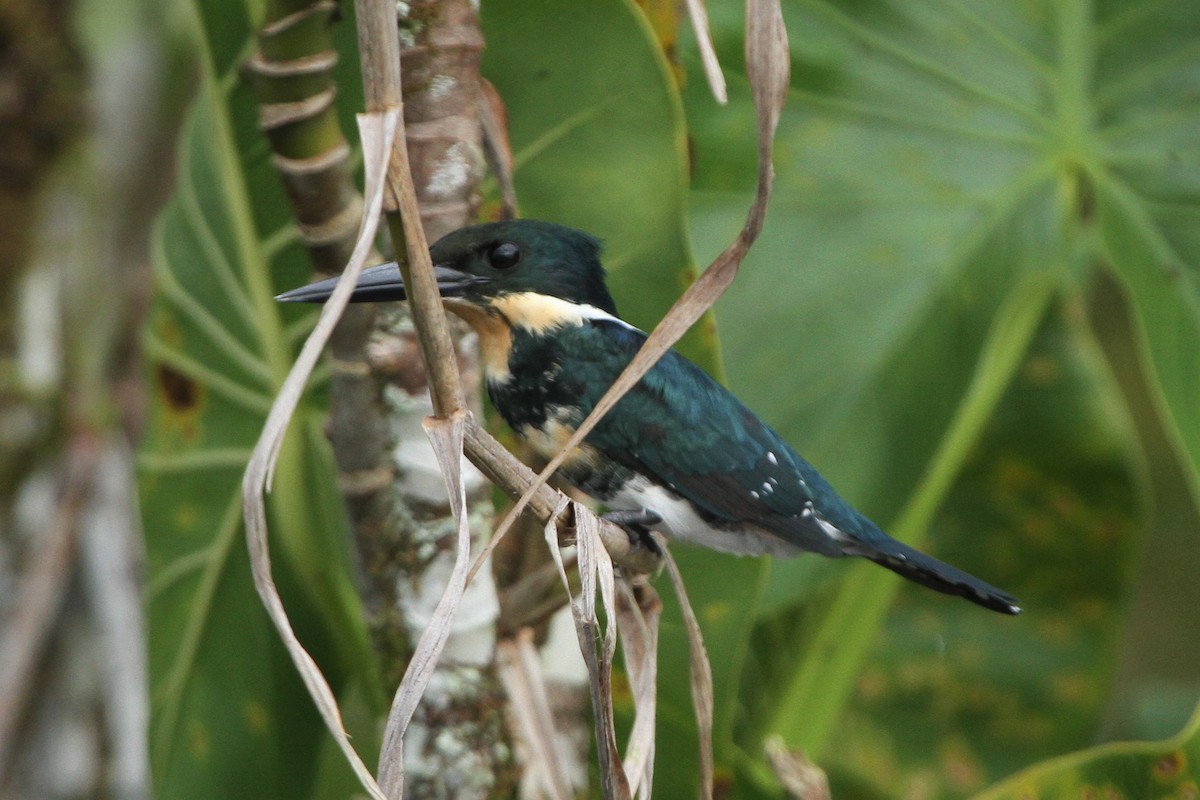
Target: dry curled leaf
{"type": "Point", "coordinates": [638, 612]}
{"type": "Point", "coordinates": [494, 118]}
{"type": "Point", "coordinates": [801, 779]}
{"type": "Point", "coordinates": [595, 574]}
{"type": "Point", "coordinates": [378, 132]}
{"type": "Point", "coordinates": [446, 437]}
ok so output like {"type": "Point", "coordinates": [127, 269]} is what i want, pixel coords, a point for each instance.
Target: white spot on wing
{"type": "Point", "coordinates": [833, 532]}
{"type": "Point", "coordinates": [771, 457]}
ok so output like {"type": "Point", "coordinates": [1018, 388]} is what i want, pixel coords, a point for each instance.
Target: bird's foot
{"type": "Point", "coordinates": [637, 524]}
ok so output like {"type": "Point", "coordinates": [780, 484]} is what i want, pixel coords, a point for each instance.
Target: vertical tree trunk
{"type": "Point", "coordinates": [456, 747]}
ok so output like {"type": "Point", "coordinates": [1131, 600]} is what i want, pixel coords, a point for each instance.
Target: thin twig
{"type": "Point", "coordinates": [379, 49]}
{"type": "Point", "coordinates": [546, 504]}
{"type": "Point", "coordinates": [708, 54]}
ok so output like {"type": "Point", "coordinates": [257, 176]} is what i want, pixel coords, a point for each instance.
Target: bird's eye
{"type": "Point", "coordinates": [504, 255]}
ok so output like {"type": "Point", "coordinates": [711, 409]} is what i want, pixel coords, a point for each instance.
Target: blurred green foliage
{"type": "Point", "coordinates": [938, 169]}
{"type": "Point", "coordinates": [230, 716]}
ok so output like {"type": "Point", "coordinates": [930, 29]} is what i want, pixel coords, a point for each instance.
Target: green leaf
{"type": "Point", "coordinates": [1143, 164]}
{"type": "Point", "coordinates": [230, 716]}
{"type": "Point", "coordinates": [1121, 771]}
{"type": "Point", "coordinates": [599, 141]}
{"type": "Point", "coordinates": [943, 169]}
{"type": "Point", "coordinates": [1047, 503]}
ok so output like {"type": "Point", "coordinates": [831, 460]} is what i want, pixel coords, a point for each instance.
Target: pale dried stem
{"type": "Point", "coordinates": [446, 437]}
{"type": "Point", "coordinates": [378, 133]}
{"type": "Point", "coordinates": [708, 54]}
{"type": "Point", "coordinates": [547, 504]}
{"type": "Point", "coordinates": [295, 55]}
{"type": "Point", "coordinates": [595, 570]}
{"type": "Point", "coordinates": [639, 610]}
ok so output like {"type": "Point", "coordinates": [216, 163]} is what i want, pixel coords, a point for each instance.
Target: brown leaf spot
{"type": "Point", "coordinates": [182, 398]}
{"type": "Point", "coordinates": [181, 392]}
{"type": "Point", "coordinates": [723, 784]}
{"type": "Point", "coordinates": [960, 765]}
{"type": "Point", "coordinates": [1169, 766]}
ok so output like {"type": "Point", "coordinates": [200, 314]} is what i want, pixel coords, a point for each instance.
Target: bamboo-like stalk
{"type": "Point", "coordinates": [293, 76]}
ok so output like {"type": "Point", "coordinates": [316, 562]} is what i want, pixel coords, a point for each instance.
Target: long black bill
{"type": "Point", "coordinates": [381, 283]}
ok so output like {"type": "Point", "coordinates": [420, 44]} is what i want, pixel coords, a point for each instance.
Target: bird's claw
{"type": "Point", "coordinates": [637, 524]}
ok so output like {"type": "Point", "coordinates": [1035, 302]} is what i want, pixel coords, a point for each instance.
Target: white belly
{"type": "Point", "coordinates": [680, 522]}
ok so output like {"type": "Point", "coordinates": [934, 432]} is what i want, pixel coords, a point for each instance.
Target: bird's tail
{"type": "Point", "coordinates": [929, 572]}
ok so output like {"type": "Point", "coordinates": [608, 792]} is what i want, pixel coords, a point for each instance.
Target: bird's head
{"type": "Point", "coordinates": [483, 266]}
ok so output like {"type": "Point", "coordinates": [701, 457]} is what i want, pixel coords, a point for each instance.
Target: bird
{"type": "Point", "coordinates": [679, 454]}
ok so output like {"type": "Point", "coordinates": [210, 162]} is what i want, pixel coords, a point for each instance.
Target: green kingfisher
{"type": "Point", "coordinates": [679, 453]}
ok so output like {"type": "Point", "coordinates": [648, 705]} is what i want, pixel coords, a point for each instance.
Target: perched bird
{"type": "Point", "coordinates": [679, 453]}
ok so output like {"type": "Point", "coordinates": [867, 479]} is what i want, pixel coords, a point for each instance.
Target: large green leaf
{"type": "Point", "coordinates": [943, 168]}
{"type": "Point", "coordinates": [910, 258]}
{"type": "Point", "coordinates": [230, 716]}
{"type": "Point", "coordinates": [598, 137]}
